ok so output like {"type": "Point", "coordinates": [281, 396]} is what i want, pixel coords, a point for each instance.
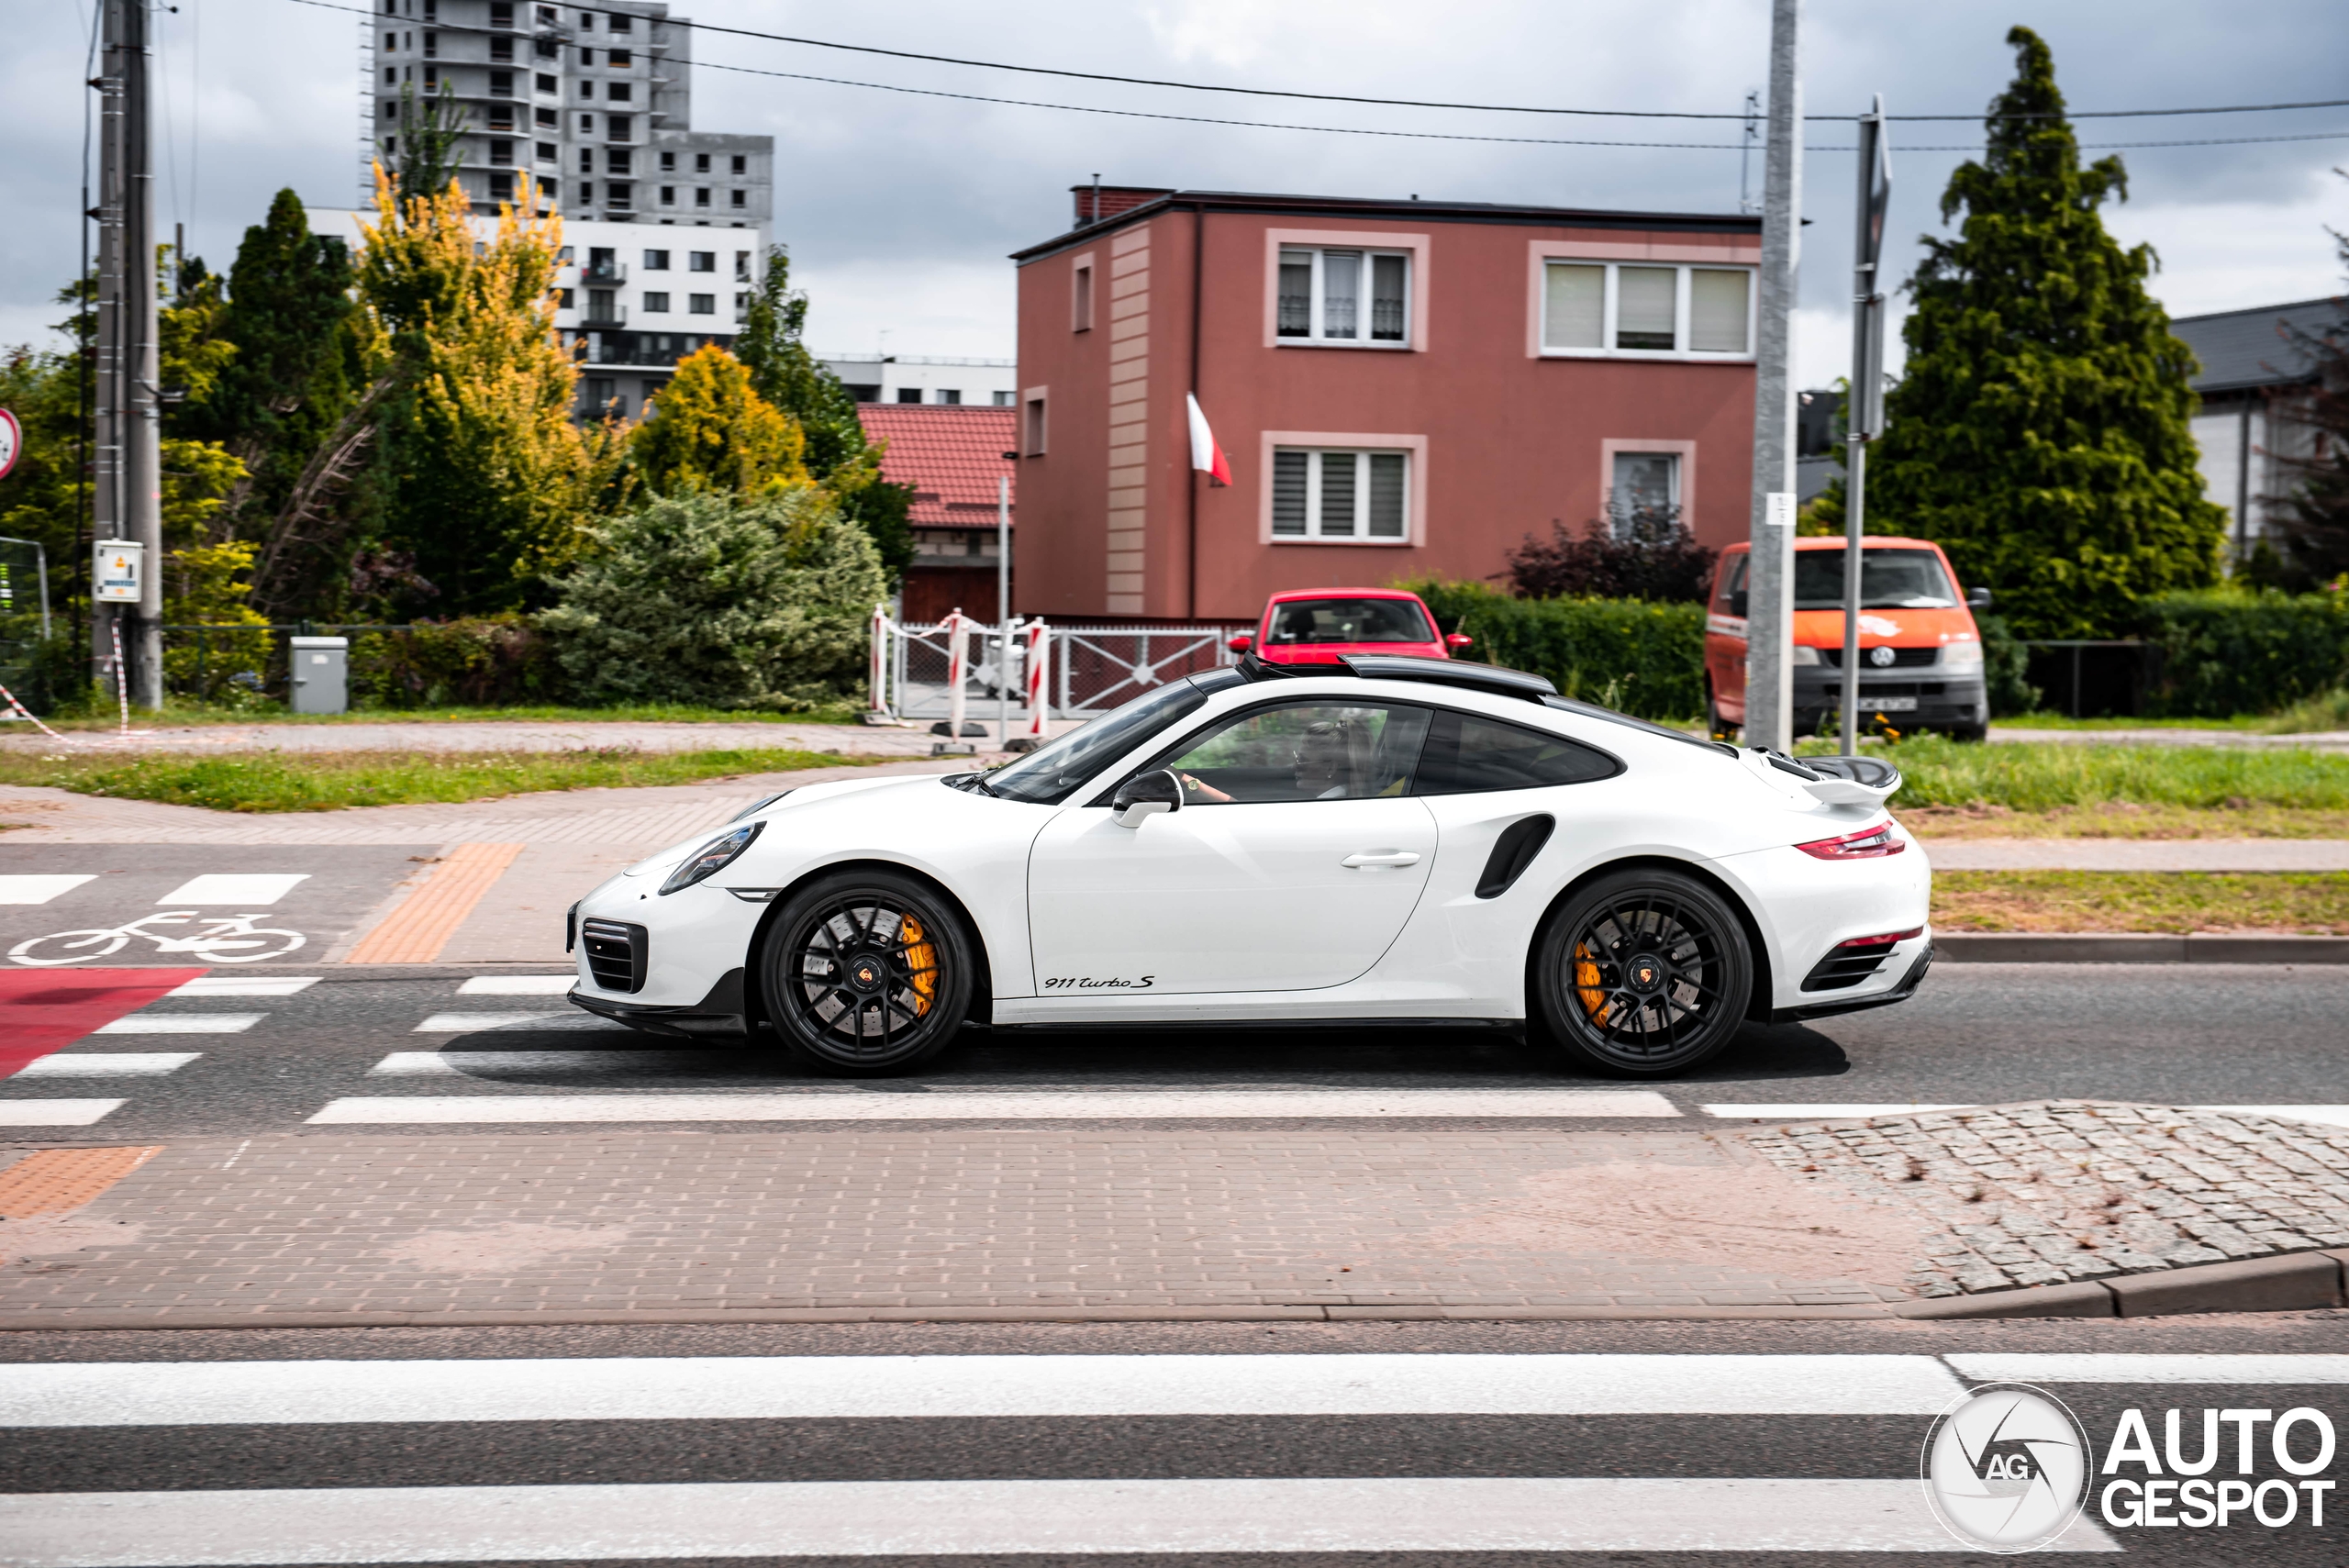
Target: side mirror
{"type": "Point", "coordinates": [1146, 796]}
{"type": "Point", "coordinates": [1458, 641]}
{"type": "Point", "coordinates": [1737, 604]}
{"type": "Point", "coordinates": [1978, 598]}
{"type": "Point", "coordinates": [1241, 643]}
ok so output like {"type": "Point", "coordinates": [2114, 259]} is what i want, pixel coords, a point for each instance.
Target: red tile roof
{"type": "Point", "coordinates": [950, 455]}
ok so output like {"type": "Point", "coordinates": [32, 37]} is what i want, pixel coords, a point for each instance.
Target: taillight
{"type": "Point", "coordinates": [1886, 940]}
{"type": "Point", "coordinates": [1865, 844]}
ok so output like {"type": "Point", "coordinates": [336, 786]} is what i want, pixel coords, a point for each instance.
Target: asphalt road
{"type": "Point", "coordinates": [1976, 1034]}
{"type": "Point", "coordinates": [1740, 1450]}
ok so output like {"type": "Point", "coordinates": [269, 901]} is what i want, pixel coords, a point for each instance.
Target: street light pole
{"type": "Point", "coordinates": [129, 407]}
{"type": "Point", "coordinates": [1865, 420]}
{"type": "Point", "coordinates": [1769, 690]}
{"type": "Point", "coordinates": [1003, 609]}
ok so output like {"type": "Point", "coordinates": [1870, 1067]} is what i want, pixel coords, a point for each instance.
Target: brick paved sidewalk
{"type": "Point", "coordinates": [879, 1219]}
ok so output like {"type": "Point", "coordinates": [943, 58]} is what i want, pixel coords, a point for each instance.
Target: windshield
{"type": "Point", "coordinates": [1349, 620]}
{"type": "Point", "coordinates": [1046, 776]}
{"type": "Point", "coordinates": [1890, 580]}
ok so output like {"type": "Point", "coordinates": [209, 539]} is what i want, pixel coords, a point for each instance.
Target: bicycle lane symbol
{"type": "Point", "coordinates": [225, 939]}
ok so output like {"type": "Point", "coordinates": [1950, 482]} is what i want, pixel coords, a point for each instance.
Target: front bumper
{"type": "Point", "coordinates": [1921, 698]}
{"type": "Point", "coordinates": [722, 1012]}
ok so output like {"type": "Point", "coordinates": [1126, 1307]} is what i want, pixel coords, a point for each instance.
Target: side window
{"type": "Point", "coordinates": [1320, 750]}
{"type": "Point", "coordinates": [1466, 754]}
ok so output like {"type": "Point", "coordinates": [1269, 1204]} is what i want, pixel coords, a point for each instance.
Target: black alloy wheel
{"type": "Point", "coordinates": [867, 973]}
{"type": "Point", "coordinates": [1644, 973]}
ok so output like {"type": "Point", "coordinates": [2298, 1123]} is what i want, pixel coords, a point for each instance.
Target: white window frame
{"type": "Point", "coordinates": [1412, 449]}
{"type": "Point", "coordinates": [1607, 317]}
{"type": "Point", "coordinates": [1362, 339]}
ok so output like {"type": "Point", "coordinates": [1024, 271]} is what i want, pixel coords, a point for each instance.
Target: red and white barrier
{"type": "Point", "coordinates": [877, 670]}
{"type": "Point", "coordinates": [957, 627]}
{"type": "Point", "coordinates": [1039, 697]}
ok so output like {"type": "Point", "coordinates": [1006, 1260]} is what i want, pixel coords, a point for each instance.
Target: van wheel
{"type": "Point", "coordinates": [1716, 727]}
{"type": "Point", "coordinates": [1973, 732]}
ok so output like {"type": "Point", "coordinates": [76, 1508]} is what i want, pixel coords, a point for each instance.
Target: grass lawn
{"type": "Point", "coordinates": [193, 714]}
{"type": "Point", "coordinates": [2311, 903]}
{"type": "Point", "coordinates": [2032, 790]}
{"type": "Point", "coordinates": [2248, 723]}
{"type": "Point", "coordinates": [330, 781]}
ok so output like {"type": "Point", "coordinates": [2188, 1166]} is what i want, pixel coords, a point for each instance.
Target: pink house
{"type": "Point", "coordinates": [1403, 388]}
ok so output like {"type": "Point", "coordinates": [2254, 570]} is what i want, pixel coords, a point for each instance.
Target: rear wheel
{"type": "Point", "coordinates": [1644, 973]}
{"type": "Point", "coordinates": [867, 973]}
{"type": "Point", "coordinates": [1969, 732]}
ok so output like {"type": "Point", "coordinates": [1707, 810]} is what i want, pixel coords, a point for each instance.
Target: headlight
{"type": "Point", "coordinates": [1803, 655]}
{"type": "Point", "coordinates": [711, 857]}
{"type": "Point", "coordinates": [1961, 658]}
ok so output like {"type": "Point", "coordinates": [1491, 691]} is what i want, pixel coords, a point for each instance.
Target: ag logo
{"type": "Point", "coordinates": [2006, 1468]}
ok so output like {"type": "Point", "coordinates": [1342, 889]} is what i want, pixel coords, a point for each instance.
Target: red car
{"type": "Point", "coordinates": [1313, 626]}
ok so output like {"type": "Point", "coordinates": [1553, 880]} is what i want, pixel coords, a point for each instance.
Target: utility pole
{"type": "Point", "coordinates": [1865, 420]}
{"type": "Point", "coordinates": [1769, 620]}
{"type": "Point", "coordinates": [128, 502]}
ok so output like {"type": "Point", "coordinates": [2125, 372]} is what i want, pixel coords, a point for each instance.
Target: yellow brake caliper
{"type": "Point", "coordinates": [921, 958]}
{"type": "Point", "coordinates": [1586, 985]}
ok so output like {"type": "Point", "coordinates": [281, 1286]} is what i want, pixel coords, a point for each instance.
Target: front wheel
{"type": "Point", "coordinates": [867, 973]}
{"type": "Point", "coordinates": [1716, 727]}
{"type": "Point", "coordinates": [1644, 973]}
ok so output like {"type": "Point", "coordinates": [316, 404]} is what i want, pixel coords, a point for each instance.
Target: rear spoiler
{"type": "Point", "coordinates": [1850, 781]}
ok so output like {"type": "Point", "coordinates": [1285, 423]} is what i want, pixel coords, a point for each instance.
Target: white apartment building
{"type": "Point", "coordinates": [596, 106]}
{"type": "Point", "coordinates": [918, 378]}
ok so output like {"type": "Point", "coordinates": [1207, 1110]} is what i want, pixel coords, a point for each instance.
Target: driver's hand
{"type": "Point", "coordinates": [1203, 791]}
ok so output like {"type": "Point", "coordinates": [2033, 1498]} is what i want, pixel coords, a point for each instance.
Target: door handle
{"type": "Point", "coordinates": [1382, 858]}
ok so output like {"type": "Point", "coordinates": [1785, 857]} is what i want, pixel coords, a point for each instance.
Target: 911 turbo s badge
{"type": "Point", "coordinates": [1074, 983]}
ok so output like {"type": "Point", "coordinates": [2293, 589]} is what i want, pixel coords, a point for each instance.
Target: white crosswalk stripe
{"type": "Point", "coordinates": [55, 1113]}
{"type": "Point", "coordinates": [798, 1518]}
{"type": "Point", "coordinates": [996, 1104]}
{"type": "Point", "coordinates": [2123, 1367]}
{"type": "Point", "coordinates": [256, 888]}
{"type": "Point", "coordinates": [106, 1063]}
{"type": "Point", "coordinates": [246, 985]}
{"type": "Point", "coordinates": [25, 889]}
{"type": "Point", "coordinates": [182, 1023]}
{"type": "Point", "coordinates": [518, 985]}
{"type": "Point", "coordinates": [109, 1394]}
{"type": "Point", "coordinates": [459, 1064]}
{"type": "Point", "coordinates": [470, 1023]}
{"type": "Point", "coordinates": [2330, 1116]}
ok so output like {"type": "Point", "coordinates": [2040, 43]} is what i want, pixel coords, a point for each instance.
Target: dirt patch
{"type": "Point", "coordinates": [501, 1249]}
{"type": "Point", "coordinates": [1743, 1216]}
{"type": "Point", "coordinates": [48, 1235]}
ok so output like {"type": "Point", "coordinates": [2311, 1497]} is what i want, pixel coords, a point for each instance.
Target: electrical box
{"type": "Point", "coordinates": [321, 671]}
{"type": "Point", "coordinates": [118, 570]}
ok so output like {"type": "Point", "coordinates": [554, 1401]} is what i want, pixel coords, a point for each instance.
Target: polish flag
{"type": "Point", "coordinates": [1206, 456]}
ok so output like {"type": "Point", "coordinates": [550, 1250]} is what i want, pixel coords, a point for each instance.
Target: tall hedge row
{"type": "Point", "coordinates": [2227, 651]}
{"type": "Point", "coordinates": [1640, 656]}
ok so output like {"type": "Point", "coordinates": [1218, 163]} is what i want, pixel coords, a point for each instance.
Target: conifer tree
{"type": "Point", "coordinates": [2039, 431]}
{"type": "Point", "coordinates": [710, 430]}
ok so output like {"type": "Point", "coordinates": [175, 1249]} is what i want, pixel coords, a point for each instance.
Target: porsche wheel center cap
{"type": "Point", "coordinates": [866, 975]}
{"type": "Point", "coordinates": [1644, 973]}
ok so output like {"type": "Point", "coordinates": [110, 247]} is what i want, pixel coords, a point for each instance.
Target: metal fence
{"type": "Point", "coordinates": [1090, 669]}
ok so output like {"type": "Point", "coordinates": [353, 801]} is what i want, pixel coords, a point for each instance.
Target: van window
{"type": "Point", "coordinates": [1890, 580]}
{"type": "Point", "coordinates": [1733, 576]}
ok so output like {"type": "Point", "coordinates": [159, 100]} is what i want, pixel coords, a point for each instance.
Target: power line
{"type": "Point", "coordinates": [1350, 98]}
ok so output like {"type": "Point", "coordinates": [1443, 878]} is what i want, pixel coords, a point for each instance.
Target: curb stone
{"type": "Point", "coordinates": [2297, 1281]}
{"type": "Point", "coordinates": [2131, 947]}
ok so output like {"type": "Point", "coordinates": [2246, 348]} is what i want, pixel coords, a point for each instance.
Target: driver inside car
{"type": "Point", "coordinates": [1330, 757]}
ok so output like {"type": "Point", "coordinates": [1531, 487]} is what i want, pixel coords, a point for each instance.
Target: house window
{"type": "Point", "coordinates": [1643, 485]}
{"type": "Point", "coordinates": [431, 78]}
{"type": "Point", "coordinates": [701, 261]}
{"type": "Point", "coordinates": [656, 261]}
{"type": "Point", "coordinates": [1002, 400]}
{"type": "Point", "coordinates": [701, 162]}
{"type": "Point", "coordinates": [587, 57]}
{"type": "Point", "coordinates": [501, 83]}
{"type": "Point", "coordinates": [951, 394]}
{"type": "Point", "coordinates": [562, 299]}
{"type": "Point", "coordinates": [668, 195]}
{"type": "Point", "coordinates": [741, 164]}
{"type": "Point", "coordinates": [701, 197]}
{"type": "Point", "coordinates": [656, 303]}
{"type": "Point", "coordinates": [616, 195]}
{"type": "Point", "coordinates": [501, 187]}
{"type": "Point", "coordinates": [909, 395]}
{"type": "Point", "coordinates": [546, 83]}
{"type": "Point", "coordinates": [546, 50]}
{"type": "Point", "coordinates": [701, 304]}
{"type": "Point", "coordinates": [1610, 307]}
{"type": "Point", "coordinates": [618, 23]}
{"type": "Point", "coordinates": [1031, 425]}
{"type": "Point", "coordinates": [1081, 304]}
{"type": "Point", "coordinates": [619, 92]}
{"type": "Point", "coordinates": [546, 151]}
{"type": "Point", "coordinates": [617, 162]}
{"type": "Point", "coordinates": [1323, 493]}
{"type": "Point", "coordinates": [431, 46]}
{"type": "Point", "coordinates": [586, 160]}
{"type": "Point", "coordinates": [668, 163]}
{"type": "Point", "coordinates": [742, 266]}
{"type": "Point", "coordinates": [741, 199]}
{"type": "Point", "coordinates": [501, 13]}
{"type": "Point", "coordinates": [617, 59]}
{"type": "Point", "coordinates": [501, 152]}
{"type": "Point", "coordinates": [501, 49]}
{"type": "Point", "coordinates": [616, 126]}
{"type": "Point", "coordinates": [1345, 297]}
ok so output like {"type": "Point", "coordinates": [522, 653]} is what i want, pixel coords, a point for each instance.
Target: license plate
{"type": "Point", "coordinates": [1888, 704]}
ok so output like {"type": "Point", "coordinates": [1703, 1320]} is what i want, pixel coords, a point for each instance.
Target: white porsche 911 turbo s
{"type": "Point", "coordinates": [1386, 839]}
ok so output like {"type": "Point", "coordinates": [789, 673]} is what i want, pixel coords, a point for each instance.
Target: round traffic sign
{"type": "Point", "coordinates": [12, 441]}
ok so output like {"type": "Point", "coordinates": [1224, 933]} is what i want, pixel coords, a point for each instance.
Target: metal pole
{"type": "Point", "coordinates": [107, 404]}
{"type": "Point", "coordinates": [1769, 689]}
{"type": "Point", "coordinates": [143, 371]}
{"type": "Point", "coordinates": [1003, 607]}
{"type": "Point", "coordinates": [1865, 420]}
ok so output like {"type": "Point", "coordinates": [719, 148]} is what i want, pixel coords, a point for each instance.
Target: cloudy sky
{"type": "Point", "coordinates": [900, 207]}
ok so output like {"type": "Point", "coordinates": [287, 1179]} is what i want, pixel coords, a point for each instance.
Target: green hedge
{"type": "Point", "coordinates": [492, 662]}
{"type": "Point", "coordinates": [2226, 651]}
{"type": "Point", "coordinates": [1640, 656]}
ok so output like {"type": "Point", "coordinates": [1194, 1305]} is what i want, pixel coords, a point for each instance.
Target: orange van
{"type": "Point", "coordinates": [1920, 652]}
